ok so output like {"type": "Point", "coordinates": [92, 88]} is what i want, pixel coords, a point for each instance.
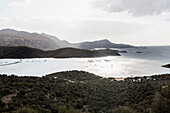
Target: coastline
{"type": "Point", "coordinates": [81, 71]}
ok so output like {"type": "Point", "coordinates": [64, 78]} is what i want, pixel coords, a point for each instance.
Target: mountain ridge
{"type": "Point", "coordinates": [104, 43]}
{"type": "Point", "coordinates": [11, 37]}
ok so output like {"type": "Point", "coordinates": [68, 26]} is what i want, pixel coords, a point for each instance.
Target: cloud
{"type": "Point", "coordinates": [109, 27]}
{"type": "Point", "coordinates": [167, 19]}
{"type": "Point", "coordinates": [18, 1]}
{"type": "Point", "coordinates": [34, 24]}
{"type": "Point", "coordinates": [115, 30]}
{"type": "Point", "coordinates": [118, 31]}
{"type": "Point", "coordinates": [78, 30]}
{"type": "Point", "coordinates": [134, 7]}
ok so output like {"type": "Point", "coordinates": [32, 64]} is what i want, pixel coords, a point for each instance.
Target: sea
{"type": "Point", "coordinates": [141, 61]}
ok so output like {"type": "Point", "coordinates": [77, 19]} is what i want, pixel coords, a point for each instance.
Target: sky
{"type": "Point", "coordinates": [135, 22]}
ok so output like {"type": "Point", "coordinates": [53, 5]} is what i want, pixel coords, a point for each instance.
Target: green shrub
{"type": "Point", "coordinates": [26, 110]}
{"type": "Point", "coordinates": [123, 109]}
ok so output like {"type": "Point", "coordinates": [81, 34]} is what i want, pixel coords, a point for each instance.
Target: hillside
{"type": "Point", "coordinates": [101, 44]}
{"type": "Point", "coordinates": [26, 52]}
{"type": "Point", "coordinates": [60, 43]}
{"type": "Point", "coordinates": [83, 92]}
{"type": "Point", "coordinates": [11, 37]}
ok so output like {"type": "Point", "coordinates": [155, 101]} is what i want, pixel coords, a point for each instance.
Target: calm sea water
{"type": "Point", "coordinates": [146, 63]}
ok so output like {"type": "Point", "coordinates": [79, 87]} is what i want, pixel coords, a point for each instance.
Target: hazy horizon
{"type": "Point", "coordinates": [97, 39]}
{"type": "Point", "coordinates": [139, 23]}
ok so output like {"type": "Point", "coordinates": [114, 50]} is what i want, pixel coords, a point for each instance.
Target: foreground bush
{"type": "Point", "coordinates": [123, 109]}
{"type": "Point", "coordinates": [25, 110]}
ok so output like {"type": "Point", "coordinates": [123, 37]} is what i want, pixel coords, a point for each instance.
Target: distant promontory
{"type": "Point", "coordinates": [27, 52]}
{"type": "Point", "coordinates": [166, 66]}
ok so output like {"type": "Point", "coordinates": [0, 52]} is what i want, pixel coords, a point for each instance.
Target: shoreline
{"type": "Point", "coordinates": [115, 78]}
{"type": "Point", "coordinates": [104, 67]}
{"type": "Point", "coordinates": [120, 79]}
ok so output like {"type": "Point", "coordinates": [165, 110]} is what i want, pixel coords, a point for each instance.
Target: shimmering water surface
{"type": "Point", "coordinates": [146, 63]}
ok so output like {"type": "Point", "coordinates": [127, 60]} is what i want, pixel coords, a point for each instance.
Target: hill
{"type": "Point", "coordinates": [60, 43]}
{"type": "Point", "coordinates": [26, 52]}
{"type": "Point", "coordinates": [83, 92]}
{"type": "Point", "coordinates": [101, 44]}
{"type": "Point", "coordinates": [11, 37]}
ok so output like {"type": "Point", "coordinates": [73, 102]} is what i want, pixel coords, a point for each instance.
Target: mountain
{"type": "Point", "coordinates": [26, 52]}
{"type": "Point", "coordinates": [60, 43]}
{"type": "Point", "coordinates": [10, 37]}
{"type": "Point", "coordinates": [101, 44]}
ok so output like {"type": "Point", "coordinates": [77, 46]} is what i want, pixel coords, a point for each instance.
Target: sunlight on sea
{"type": "Point", "coordinates": [129, 64]}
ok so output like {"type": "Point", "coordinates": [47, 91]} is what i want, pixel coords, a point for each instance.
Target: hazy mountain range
{"type": "Point", "coordinates": [11, 37]}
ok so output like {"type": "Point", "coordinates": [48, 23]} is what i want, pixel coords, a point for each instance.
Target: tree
{"type": "Point", "coordinates": [26, 110]}
{"type": "Point", "coordinates": [161, 102]}
{"type": "Point", "coordinates": [123, 109]}
{"type": "Point", "coordinates": [1, 54]}
{"type": "Point", "coordinates": [62, 109]}
{"type": "Point", "coordinates": [72, 110]}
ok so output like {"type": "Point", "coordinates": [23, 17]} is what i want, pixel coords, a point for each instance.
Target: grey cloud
{"type": "Point", "coordinates": [79, 30]}
{"type": "Point", "coordinates": [134, 7]}
{"type": "Point", "coordinates": [111, 29]}
{"type": "Point", "coordinates": [167, 19]}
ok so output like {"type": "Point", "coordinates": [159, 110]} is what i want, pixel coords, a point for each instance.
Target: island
{"type": "Point", "coordinates": [27, 52]}
{"type": "Point", "coordinates": [138, 52]}
{"type": "Point", "coordinates": [166, 66]}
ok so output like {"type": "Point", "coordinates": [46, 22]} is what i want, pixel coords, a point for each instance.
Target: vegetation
{"type": "Point", "coordinates": [161, 102]}
{"type": "Point", "coordinates": [78, 92]}
{"type": "Point", "coordinates": [26, 110]}
{"type": "Point", "coordinates": [166, 66]}
{"type": "Point", "coordinates": [123, 109]}
{"type": "Point", "coordinates": [27, 52]}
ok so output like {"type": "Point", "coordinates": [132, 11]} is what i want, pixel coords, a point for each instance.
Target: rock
{"type": "Point", "coordinates": [122, 51]}
{"type": "Point", "coordinates": [138, 52]}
